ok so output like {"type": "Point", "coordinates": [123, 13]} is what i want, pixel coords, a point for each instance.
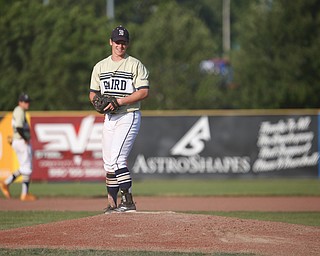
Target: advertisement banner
{"type": "Point", "coordinates": [227, 146]}
{"type": "Point", "coordinates": [68, 147]}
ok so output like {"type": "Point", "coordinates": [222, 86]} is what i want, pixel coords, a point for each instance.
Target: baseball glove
{"type": "Point", "coordinates": [101, 101]}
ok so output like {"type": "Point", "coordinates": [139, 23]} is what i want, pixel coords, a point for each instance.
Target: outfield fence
{"type": "Point", "coordinates": [174, 144]}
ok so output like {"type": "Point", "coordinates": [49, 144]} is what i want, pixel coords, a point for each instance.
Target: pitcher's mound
{"type": "Point", "coordinates": [168, 231]}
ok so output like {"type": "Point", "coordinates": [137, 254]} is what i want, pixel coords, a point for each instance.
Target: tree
{"type": "Point", "coordinates": [49, 53]}
{"type": "Point", "coordinates": [277, 65]}
{"type": "Point", "coordinates": [172, 44]}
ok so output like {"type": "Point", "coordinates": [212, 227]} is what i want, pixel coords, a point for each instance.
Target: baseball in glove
{"type": "Point", "coordinates": [101, 101]}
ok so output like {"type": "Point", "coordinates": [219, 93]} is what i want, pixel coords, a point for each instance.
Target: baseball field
{"type": "Point", "coordinates": [174, 217]}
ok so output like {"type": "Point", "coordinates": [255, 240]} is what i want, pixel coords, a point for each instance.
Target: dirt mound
{"type": "Point", "coordinates": [156, 227]}
{"type": "Point", "coordinates": [168, 231]}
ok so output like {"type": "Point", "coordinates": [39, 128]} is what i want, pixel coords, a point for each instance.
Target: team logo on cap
{"type": "Point", "coordinates": [121, 32]}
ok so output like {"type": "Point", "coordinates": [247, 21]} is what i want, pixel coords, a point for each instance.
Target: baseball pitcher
{"type": "Point", "coordinates": [118, 84]}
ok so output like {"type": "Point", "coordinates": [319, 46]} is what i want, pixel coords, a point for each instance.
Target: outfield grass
{"type": "Point", "coordinates": [189, 187]}
{"type": "Point", "coordinates": [16, 219]}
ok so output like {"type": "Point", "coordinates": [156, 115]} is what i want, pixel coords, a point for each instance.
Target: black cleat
{"type": "Point", "coordinates": [109, 209]}
{"type": "Point", "coordinates": [125, 207]}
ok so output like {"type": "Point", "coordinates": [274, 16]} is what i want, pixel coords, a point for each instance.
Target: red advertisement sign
{"type": "Point", "coordinates": [67, 148]}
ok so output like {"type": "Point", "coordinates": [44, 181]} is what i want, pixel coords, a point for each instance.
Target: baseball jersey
{"type": "Point", "coordinates": [120, 79]}
{"type": "Point", "coordinates": [19, 120]}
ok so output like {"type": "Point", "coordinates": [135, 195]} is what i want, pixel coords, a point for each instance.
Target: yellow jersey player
{"type": "Point", "coordinates": [126, 79]}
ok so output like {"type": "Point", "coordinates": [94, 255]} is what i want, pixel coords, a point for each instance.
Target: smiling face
{"type": "Point", "coordinates": [119, 49]}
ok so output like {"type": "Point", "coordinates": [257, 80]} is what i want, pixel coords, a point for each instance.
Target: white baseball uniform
{"type": "Point", "coordinates": [22, 149]}
{"type": "Point", "coordinates": [119, 79]}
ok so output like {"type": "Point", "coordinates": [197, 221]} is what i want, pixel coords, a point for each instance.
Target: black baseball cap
{"type": "Point", "coordinates": [120, 34]}
{"type": "Point", "coordinates": [24, 97]}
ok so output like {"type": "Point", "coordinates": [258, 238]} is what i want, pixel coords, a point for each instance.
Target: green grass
{"type": "Point", "coordinates": [188, 187]}
{"type": "Point", "coordinates": [16, 219]}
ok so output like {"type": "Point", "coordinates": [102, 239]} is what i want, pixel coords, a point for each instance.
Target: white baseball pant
{"type": "Point", "coordinates": [119, 134]}
{"type": "Point", "coordinates": [24, 155]}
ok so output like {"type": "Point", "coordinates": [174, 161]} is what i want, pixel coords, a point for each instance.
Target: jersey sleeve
{"type": "Point", "coordinates": [95, 80]}
{"type": "Point", "coordinates": [141, 79]}
{"type": "Point", "coordinates": [18, 118]}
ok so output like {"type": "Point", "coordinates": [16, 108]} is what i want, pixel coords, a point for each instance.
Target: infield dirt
{"type": "Point", "coordinates": [158, 227]}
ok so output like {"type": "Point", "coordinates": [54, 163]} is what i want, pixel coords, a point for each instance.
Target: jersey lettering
{"type": "Point", "coordinates": [123, 86]}
{"type": "Point", "coordinates": [116, 84]}
{"type": "Point", "coordinates": [106, 85]}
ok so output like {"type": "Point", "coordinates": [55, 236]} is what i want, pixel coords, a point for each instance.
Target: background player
{"type": "Point", "coordinates": [125, 78]}
{"type": "Point", "coordinates": [21, 145]}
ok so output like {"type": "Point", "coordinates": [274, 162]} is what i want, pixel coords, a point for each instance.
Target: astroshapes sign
{"type": "Point", "coordinates": [230, 146]}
